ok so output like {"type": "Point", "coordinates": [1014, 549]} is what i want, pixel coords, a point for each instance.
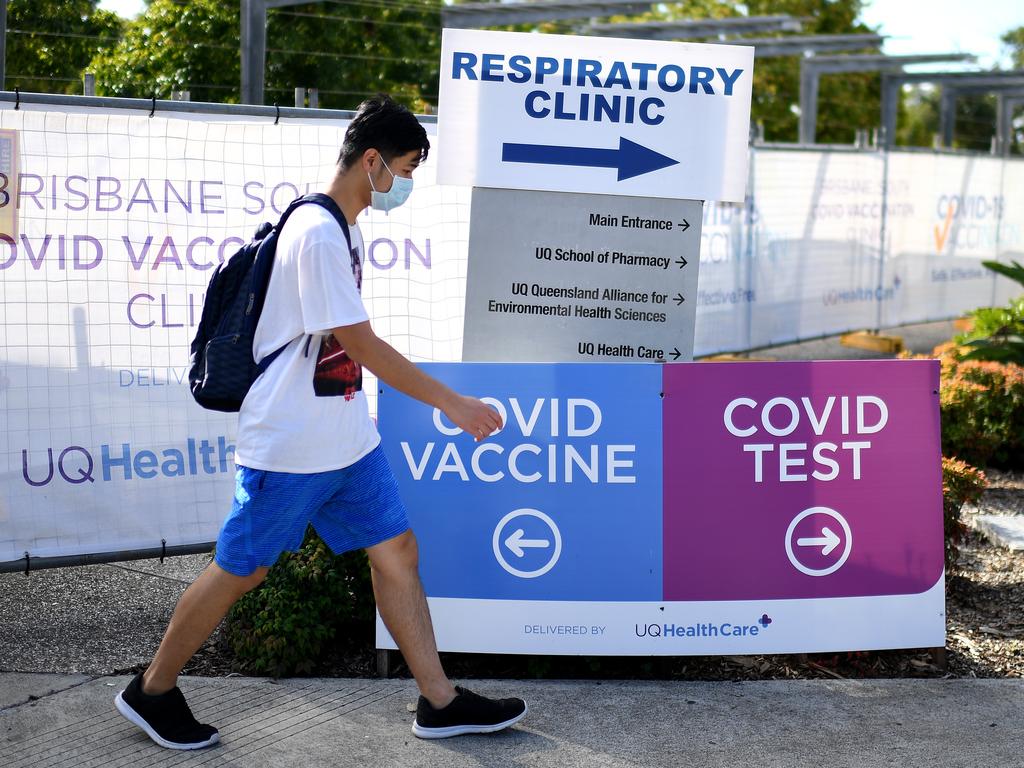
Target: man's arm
{"type": "Point", "coordinates": [369, 350]}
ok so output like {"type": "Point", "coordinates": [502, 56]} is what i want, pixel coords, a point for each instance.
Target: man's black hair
{"type": "Point", "coordinates": [383, 124]}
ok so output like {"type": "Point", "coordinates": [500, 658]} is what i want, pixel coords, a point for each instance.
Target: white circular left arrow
{"type": "Point", "coordinates": [517, 544]}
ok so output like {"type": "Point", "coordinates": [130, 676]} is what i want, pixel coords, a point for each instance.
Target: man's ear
{"type": "Point", "coordinates": [368, 159]}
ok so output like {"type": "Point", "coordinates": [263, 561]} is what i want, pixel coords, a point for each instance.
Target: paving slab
{"type": "Point", "coordinates": [1005, 530]}
{"type": "Point", "coordinates": [350, 722]}
{"type": "Point", "coordinates": [24, 688]}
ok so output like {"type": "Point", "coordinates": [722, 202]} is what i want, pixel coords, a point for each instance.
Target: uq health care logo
{"type": "Point", "coordinates": [725, 630]}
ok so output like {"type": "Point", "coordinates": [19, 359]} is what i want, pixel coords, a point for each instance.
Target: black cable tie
{"type": "Point", "coordinates": [17, 100]}
{"type": "Point", "coordinates": [27, 563]}
{"type": "Point", "coordinates": [163, 550]}
{"type": "Point", "coordinates": [153, 110]}
{"type": "Point", "coordinates": [276, 119]}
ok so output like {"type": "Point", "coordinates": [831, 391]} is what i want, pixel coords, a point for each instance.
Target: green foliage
{"type": "Point", "coordinates": [918, 117]}
{"type": "Point", "coordinates": [309, 602]}
{"type": "Point", "coordinates": [1014, 270]}
{"type": "Point", "coordinates": [974, 120]}
{"type": "Point", "coordinates": [998, 332]}
{"type": "Point", "coordinates": [961, 484]}
{"type": "Point", "coordinates": [347, 52]}
{"type": "Point", "coordinates": [49, 42]}
{"type": "Point", "coordinates": [846, 102]}
{"type": "Point", "coordinates": [173, 47]}
{"type": "Point", "coordinates": [983, 412]}
{"type": "Point", "coordinates": [1014, 40]}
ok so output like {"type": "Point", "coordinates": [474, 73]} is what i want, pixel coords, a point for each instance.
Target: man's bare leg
{"type": "Point", "coordinates": [200, 609]}
{"type": "Point", "coordinates": [394, 567]}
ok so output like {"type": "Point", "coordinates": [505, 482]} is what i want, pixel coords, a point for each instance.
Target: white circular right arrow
{"type": "Point", "coordinates": [828, 542]}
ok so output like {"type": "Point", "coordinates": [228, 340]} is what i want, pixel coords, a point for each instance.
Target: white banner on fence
{"type": "Point", "coordinates": [120, 220]}
{"type": "Point", "coordinates": [112, 221]}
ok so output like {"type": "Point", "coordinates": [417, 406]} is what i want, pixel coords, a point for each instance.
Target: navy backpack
{"type": "Point", "coordinates": [221, 367]}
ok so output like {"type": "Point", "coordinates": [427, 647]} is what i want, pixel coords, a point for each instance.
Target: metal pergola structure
{"type": "Point", "coordinates": [1008, 102]}
{"type": "Point", "coordinates": [254, 44]}
{"type": "Point", "coordinates": [688, 29]}
{"type": "Point", "coordinates": [977, 82]}
{"type": "Point", "coordinates": [3, 43]}
{"type": "Point", "coordinates": [806, 45]}
{"type": "Point", "coordinates": [811, 70]}
{"type": "Point", "coordinates": [1008, 97]}
{"type": "Point", "coordinates": [493, 14]}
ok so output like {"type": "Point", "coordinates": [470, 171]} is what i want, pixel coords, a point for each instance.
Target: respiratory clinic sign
{"type": "Point", "coordinates": [691, 508]}
{"type": "Point", "coordinates": [623, 117]}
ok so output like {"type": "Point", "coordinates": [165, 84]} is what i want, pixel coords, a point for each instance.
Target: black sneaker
{"type": "Point", "coordinates": [467, 713]}
{"type": "Point", "coordinates": [165, 718]}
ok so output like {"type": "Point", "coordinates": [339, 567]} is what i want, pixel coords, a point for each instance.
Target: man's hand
{"type": "Point", "coordinates": [467, 413]}
{"type": "Point", "coordinates": [473, 417]}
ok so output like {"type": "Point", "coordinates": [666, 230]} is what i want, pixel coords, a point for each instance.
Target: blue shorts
{"type": "Point", "coordinates": [351, 508]}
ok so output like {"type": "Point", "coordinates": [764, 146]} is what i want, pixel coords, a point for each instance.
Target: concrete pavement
{"type": "Point", "coordinates": [336, 722]}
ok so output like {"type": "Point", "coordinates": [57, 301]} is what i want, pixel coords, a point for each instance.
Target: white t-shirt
{"type": "Point", "coordinates": [307, 412]}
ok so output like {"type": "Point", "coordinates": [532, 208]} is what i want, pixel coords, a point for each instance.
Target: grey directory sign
{"type": "Point", "coordinates": [566, 277]}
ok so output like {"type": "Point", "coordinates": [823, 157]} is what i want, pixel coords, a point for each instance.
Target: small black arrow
{"type": "Point", "coordinates": [685, 225]}
{"type": "Point", "coordinates": [676, 354]}
{"type": "Point", "coordinates": [679, 299]}
{"type": "Point", "coordinates": [682, 262]}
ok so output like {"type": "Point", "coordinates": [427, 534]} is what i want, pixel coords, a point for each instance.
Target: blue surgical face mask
{"type": "Point", "coordinates": [401, 188]}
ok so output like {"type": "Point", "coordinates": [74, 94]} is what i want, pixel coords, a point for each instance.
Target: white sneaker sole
{"type": "Point", "coordinates": [134, 717]}
{"type": "Point", "coordinates": [459, 730]}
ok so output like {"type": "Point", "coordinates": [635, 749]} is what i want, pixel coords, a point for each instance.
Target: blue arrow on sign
{"type": "Point", "coordinates": [630, 159]}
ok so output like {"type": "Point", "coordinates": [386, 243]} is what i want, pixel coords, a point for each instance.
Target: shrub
{"type": "Point", "coordinates": [998, 332]}
{"type": "Point", "coordinates": [310, 600]}
{"type": "Point", "coordinates": [961, 483]}
{"type": "Point", "coordinates": [983, 413]}
{"type": "Point", "coordinates": [982, 405]}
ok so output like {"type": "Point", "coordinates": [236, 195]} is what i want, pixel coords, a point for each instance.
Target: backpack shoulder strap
{"type": "Point", "coordinates": [324, 201]}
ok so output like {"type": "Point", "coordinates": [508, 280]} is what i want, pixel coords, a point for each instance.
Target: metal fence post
{"type": "Point", "coordinates": [884, 148]}
{"type": "Point", "coordinates": [999, 221]}
{"type": "Point", "coordinates": [254, 49]}
{"type": "Point", "coordinates": [3, 44]}
{"type": "Point", "coordinates": [300, 97]}
{"type": "Point", "coordinates": [314, 98]}
{"type": "Point", "coordinates": [751, 212]}
{"type": "Point", "coordinates": [89, 84]}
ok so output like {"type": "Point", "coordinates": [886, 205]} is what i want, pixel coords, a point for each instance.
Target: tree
{"type": "Point", "coordinates": [49, 42]}
{"type": "Point", "coordinates": [974, 119]}
{"type": "Point", "coordinates": [918, 121]}
{"type": "Point", "coordinates": [1014, 40]}
{"type": "Point", "coordinates": [347, 52]}
{"type": "Point", "coordinates": [846, 102]}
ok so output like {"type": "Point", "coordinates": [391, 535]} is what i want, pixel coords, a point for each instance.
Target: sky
{"type": "Point", "coordinates": [914, 26]}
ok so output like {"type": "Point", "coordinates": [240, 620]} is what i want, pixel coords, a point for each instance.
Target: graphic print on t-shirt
{"type": "Point", "coordinates": [336, 374]}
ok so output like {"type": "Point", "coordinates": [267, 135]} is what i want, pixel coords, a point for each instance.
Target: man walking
{"type": "Point", "coordinates": [309, 453]}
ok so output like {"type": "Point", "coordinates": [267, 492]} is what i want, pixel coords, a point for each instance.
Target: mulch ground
{"type": "Point", "coordinates": [985, 633]}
